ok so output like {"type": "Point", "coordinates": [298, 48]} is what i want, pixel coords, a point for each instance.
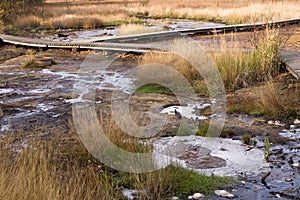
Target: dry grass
{"type": "Point", "coordinates": [129, 29]}
{"type": "Point", "coordinates": [96, 14]}
{"type": "Point", "coordinates": [62, 168]}
{"type": "Point", "coordinates": [280, 99]}
{"type": "Point", "coordinates": [274, 99]}
{"type": "Point", "coordinates": [32, 175]}
{"type": "Point", "coordinates": [230, 11]}
{"type": "Point", "coordinates": [169, 70]}
{"type": "Point", "coordinates": [240, 68]}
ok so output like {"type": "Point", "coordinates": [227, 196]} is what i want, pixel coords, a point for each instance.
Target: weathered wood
{"type": "Point", "coordinates": [292, 60]}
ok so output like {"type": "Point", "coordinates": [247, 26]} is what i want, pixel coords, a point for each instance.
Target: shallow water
{"type": "Point", "coordinates": [188, 111]}
{"type": "Point", "coordinates": [238, 157]}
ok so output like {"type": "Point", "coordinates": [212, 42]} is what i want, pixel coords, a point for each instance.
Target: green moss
{"type": "Point", "coordinates": [182, 182]}
{"type": "Point", "coordinates": [171, 181]}
{"type": "Point", "coordinates": [202, 131]}
{"type": "Point", "coordinates": [154, 88]}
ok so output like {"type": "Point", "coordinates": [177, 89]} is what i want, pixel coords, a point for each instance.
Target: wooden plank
{"type": "Point", "coordinates": [292, 60]}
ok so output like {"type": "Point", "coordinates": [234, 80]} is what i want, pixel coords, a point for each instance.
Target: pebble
{"type": "Point", "coordinates": [190, 197]}
{"type": "Point", "coordinates": [295, 164]}
{"type": "Point", "coordinates": [175, 198]}
{"type": "Point", "coordinates": [224, 193]}
{"type": "Point", "coordinates": [275, 123]}
{"type": "Point", "coordinates": [198, 196]}
{"type": "Point", "coordinates": [288, 180]}
{"type": "Point", "coordinates": [292, 127]}
{"type": "Point", "coordinates": [256, 187]}
{"type": "Point", "coordinates": [278, 196]}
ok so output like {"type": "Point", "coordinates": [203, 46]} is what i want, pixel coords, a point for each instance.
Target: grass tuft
{"type": "Point", "coordinates": [32, 64]}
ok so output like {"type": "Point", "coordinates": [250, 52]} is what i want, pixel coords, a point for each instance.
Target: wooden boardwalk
{"type": "Point", "coordinates": [136, 43]}
{"type": "Point", "coordinates": [292, 60]}
{"type": "Point", "coordinates": [39, 43]}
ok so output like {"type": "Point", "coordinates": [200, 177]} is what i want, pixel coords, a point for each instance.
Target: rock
{"type": "Point", "coordinates": [278, 196]}
{"type": "Point", "coordinates": [44, 62]}
{"type": "Point", "coordinates": [277, 123]}
{"type": "Point", "coordinates": [295, 165]}
{"type": "Point", "coordinates": [224, 193]}
{"type": "Point", "coordinates": [292, 127]}
{"type": "Point", "coordinates": [190, 197]}
{"type": "Point", "coordinates": [198, 196]}
{"type": "Point", "coordinates": [175, 198]}
{"type": "Point", "coordinates": [297, 122]}
{"type": "Point", "coordinates": [256, 187]}
{"type": "Point", "coordinates": [289, 180]}
{"type": "Point", "coordinates": [1, 112]}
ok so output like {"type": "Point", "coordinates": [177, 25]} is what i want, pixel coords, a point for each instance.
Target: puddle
{"type": "Point", "coordinates": [62, 74]}
{"type": "Point", "coordinates": [181, 25]}
{"type": "Point", "coordinates": [39, 91]}
{"type": "Point", "coordinates": [223, 157]}
{"type": "Point", "coordinates": [292, 133]}
{"type": "Point", "coordinates": [188, 111]}
{"type": "Point", "coordinates": [6, 90]}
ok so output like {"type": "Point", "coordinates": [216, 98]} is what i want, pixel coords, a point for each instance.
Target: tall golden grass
{"type": "Point", "coordinates": [32, 175]}
{"type": "Point", "coordinates": [260, 62]}
{"type": "Point", "coordinates": [94, 15]}
{"type": "Point", "coordinates": [238, 68]}
{"type": "Point", "coordinates": [129, 29]}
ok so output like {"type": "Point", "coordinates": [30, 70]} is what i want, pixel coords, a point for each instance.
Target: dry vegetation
{"type": "Point", "coordinates": [238, 68]}
{"type": "Point", "coordinates": [94, 14]}
{"type": "Point", "coordinates": [62, 168]}
{"type": "Point", "coordinates": [129, 29]}
{"type": "Point", "coordinates": [277, 99]}
{"type": "Point", "coordinates": [241, 68]}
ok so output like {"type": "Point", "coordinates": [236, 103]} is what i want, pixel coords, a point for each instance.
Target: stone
{"type": "Point", "coordinates": [224, 193]}
{"type": "Point", "coordinates": [256, 187]}
{"type": "Point", "coordinates": [292, 127]}
{"type": "Point", "coordinates": [198, 196]}
{"type": "Point", "coordinates": [175, 198]}
{"type": "Point", "coordinates": [190, 197]}
{"type": "Point", "coordinates": [297, 122]}
{"type": "Point", "coordinates": [289, 180]}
